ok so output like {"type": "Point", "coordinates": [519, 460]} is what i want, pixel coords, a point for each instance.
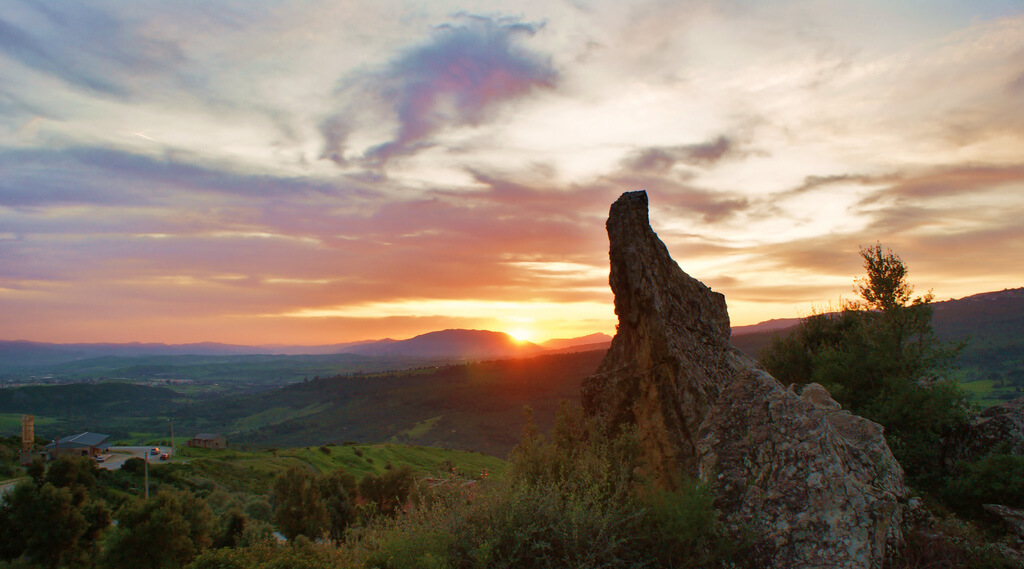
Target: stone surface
{"type": "Point", "coordinates": [1012, 517]}
{"type": "Point", "coordinates": [999, 428]}
{"type": "Point", "coordinates": [818, 485]}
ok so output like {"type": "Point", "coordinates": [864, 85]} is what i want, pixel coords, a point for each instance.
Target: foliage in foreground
{"type": "Point", "coordinates": [880, 359]}
{"type": "Point", "coordinates": [571, 500]}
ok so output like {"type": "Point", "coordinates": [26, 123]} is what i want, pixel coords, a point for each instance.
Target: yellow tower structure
{"type": "Point", "coordinates": [28, 432]}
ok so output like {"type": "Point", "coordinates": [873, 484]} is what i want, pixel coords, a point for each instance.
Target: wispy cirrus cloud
{"type": "Point", "coordinates": [83, 46]}
{"type": "Point", "coordinates": [460, 78]}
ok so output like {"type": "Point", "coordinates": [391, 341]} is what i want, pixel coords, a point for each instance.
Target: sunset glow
{"type": "Point", "coordinates": [522, 335]}
{"type": "Point", "coordinates": [321, 172]}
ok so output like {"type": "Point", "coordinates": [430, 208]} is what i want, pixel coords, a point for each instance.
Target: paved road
{"type": "Point", "coordinates": [118, 455]}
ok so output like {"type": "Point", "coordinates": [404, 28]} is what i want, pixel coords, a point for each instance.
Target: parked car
{"type": "Point", "coordinates": [163, 456]}
{"type": "Point", "coordinates": [154, 451]}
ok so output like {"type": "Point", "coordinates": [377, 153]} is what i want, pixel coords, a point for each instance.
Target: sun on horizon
{"type": "Point", "coordinates": [522, 335]}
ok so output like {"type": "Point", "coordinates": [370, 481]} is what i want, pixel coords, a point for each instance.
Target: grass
{"type": "Point", "coordinates": [11, 422]}
{"type": "Point", "coordinates": [420, 429]}
{"type": "Point", "coordinates": [276, 415]}
{"type": "Point", "coordinates": [253, 470]}
{"type": "Point", "coordinates": [984, 392]}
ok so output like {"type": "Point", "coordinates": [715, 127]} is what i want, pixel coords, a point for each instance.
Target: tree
{"type": "Point", "coordinates": [885, 287]}
{"type": "Point", "coordinates": [232, 528]}
{"type": "Point", "coordinates": [338, 489]}
{"type": "Point", "coordinates": [74, 473]}
{"type": "Point", "coordinates": [880, 358]}
{"type": "Point", "coordinates": [298, 505]}
{"type": "Point", "coordinates": [389, 491]}
{"type": "Point", "coordinates": [48, 524]}
{"type": "Point", "coordinates": [165, 531]}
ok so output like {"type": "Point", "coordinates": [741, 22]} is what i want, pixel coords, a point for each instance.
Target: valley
{"type": "Point", "coordinates": [431, 391]}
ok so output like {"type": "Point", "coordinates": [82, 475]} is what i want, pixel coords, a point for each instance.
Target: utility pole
{"type": "Point", "coordinates": [173, 450]}
{"type": "Point", "coordinates": [146, 454]}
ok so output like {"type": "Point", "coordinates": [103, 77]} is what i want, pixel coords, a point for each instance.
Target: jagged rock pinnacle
{"type": "Point", "coordinates": [818, 484]}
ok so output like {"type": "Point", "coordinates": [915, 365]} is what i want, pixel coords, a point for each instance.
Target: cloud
{"type": "Point", "coordinates": [680, 199]}
{"type": "Point", "coordinates": [942, 182]}
{"type": "Point", "coordinates": [98, 175]}
{"type": "Point", "coordinates": [82, 46]}
{"type": "Point", "coordinates": [460, 78]}
{"type": "Point", "coordinates": [662, 159]}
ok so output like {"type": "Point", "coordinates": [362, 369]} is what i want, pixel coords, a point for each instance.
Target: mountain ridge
{"type": "Point", "coordinates": [1005, 304]}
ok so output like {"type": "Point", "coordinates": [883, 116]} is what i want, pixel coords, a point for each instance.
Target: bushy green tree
{"type": "Point", "coordinates": [997, 478]}
{"type": "Point", "coordinates": [298, 504]}
{"type": "Point", "coordinates": [165, 531]}
{"type": "Point", "coordinates": [338, 489]}
{"type": "Point", "coordinates": [880, 358]}
{"type": "Point", "coordinates": [50, 525]}
{"type": "Point", "coordinates": [389, 491]}
{"type": "Point", "coordinates": [232, 528]}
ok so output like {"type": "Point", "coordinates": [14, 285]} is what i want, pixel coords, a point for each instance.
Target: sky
{"type": "Point", "coordinates": [323, 171]}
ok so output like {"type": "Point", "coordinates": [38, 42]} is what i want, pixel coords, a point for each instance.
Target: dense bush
{"type": "Point", "coordinates": [995, 479]}
{"type": "Point", "coordinates": [950, 545]}
{"type": "Point", "coordinates": [573, 499]}
{"type": "Point", "coordinates": [298, 554]}
{"type": "Point", "coordinates": [168, 530]}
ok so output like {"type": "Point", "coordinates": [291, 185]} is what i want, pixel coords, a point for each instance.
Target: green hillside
{"type": "Point", "coordinates": [476, 406]}
{"type": "Point", "coordinates": [471, 406]}
{"type": "Point", "coordinates": [112, 408]}
{"type": "Point", "coordinates": [252, 471]}
{"type": "Point", "coordinates": [991, 366]}
{"type": "Point", "coordinates": [234, 373]}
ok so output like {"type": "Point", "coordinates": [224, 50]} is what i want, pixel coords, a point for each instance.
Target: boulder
{"type": "Point", "coordinates": [818, 485]}
{"type": "Point", "coordinates": [999, 429]}
{"type": "Point", "coordinates": [1012, 517]}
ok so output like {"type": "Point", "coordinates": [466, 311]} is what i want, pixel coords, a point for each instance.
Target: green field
{"type": "Point", "coordinates": [251, 471]}
{"type": "Point", "coordinates": [11, 422]}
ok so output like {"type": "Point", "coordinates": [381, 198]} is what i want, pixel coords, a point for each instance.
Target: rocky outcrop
{"type": "Point", "coordinates": [996, 429]}
{"type": "Point", "coordinates": [817, 484]}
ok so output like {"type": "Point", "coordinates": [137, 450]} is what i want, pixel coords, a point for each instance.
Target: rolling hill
{"type": "Point", "coordinates": [989, 323]}
{"type": "Point", "coordinates": [475, 406]}
{"type": "Point", "coordinates": [35, 358]}
{"type": "Point", "coordinates": [463, 344]}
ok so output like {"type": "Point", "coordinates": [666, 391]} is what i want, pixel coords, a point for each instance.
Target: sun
{"type": "Point", "coordinates": [521, 334]}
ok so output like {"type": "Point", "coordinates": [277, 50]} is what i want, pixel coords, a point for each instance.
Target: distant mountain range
{"type": "Point", "coordinates": [952, 319]}
{"type": "Point", "coordinates": [973, 315]}
{"type": "Point", "coordinates": [444, 344]}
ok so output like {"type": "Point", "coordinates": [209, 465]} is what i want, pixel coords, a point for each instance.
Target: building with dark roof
{"type": "Point", "coordinates": [208, 440]}
{"type": "Point", "coordinates": [82, 444]}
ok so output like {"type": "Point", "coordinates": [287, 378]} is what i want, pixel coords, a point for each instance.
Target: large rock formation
{"type": "Point", "coordinates": [818, 485]}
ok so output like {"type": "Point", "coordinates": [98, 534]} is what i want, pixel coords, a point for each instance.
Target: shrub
{"type": "Point", "coordinates": [299, 554]}
{"type": "Point", "coordinates": [950, 545]}
{"type": "Point", "coordinates": [573, 499]}
{"type": "Point", "coordinates": [134, 465]}
{"type": "Point", "coordinates": [995, 479]}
